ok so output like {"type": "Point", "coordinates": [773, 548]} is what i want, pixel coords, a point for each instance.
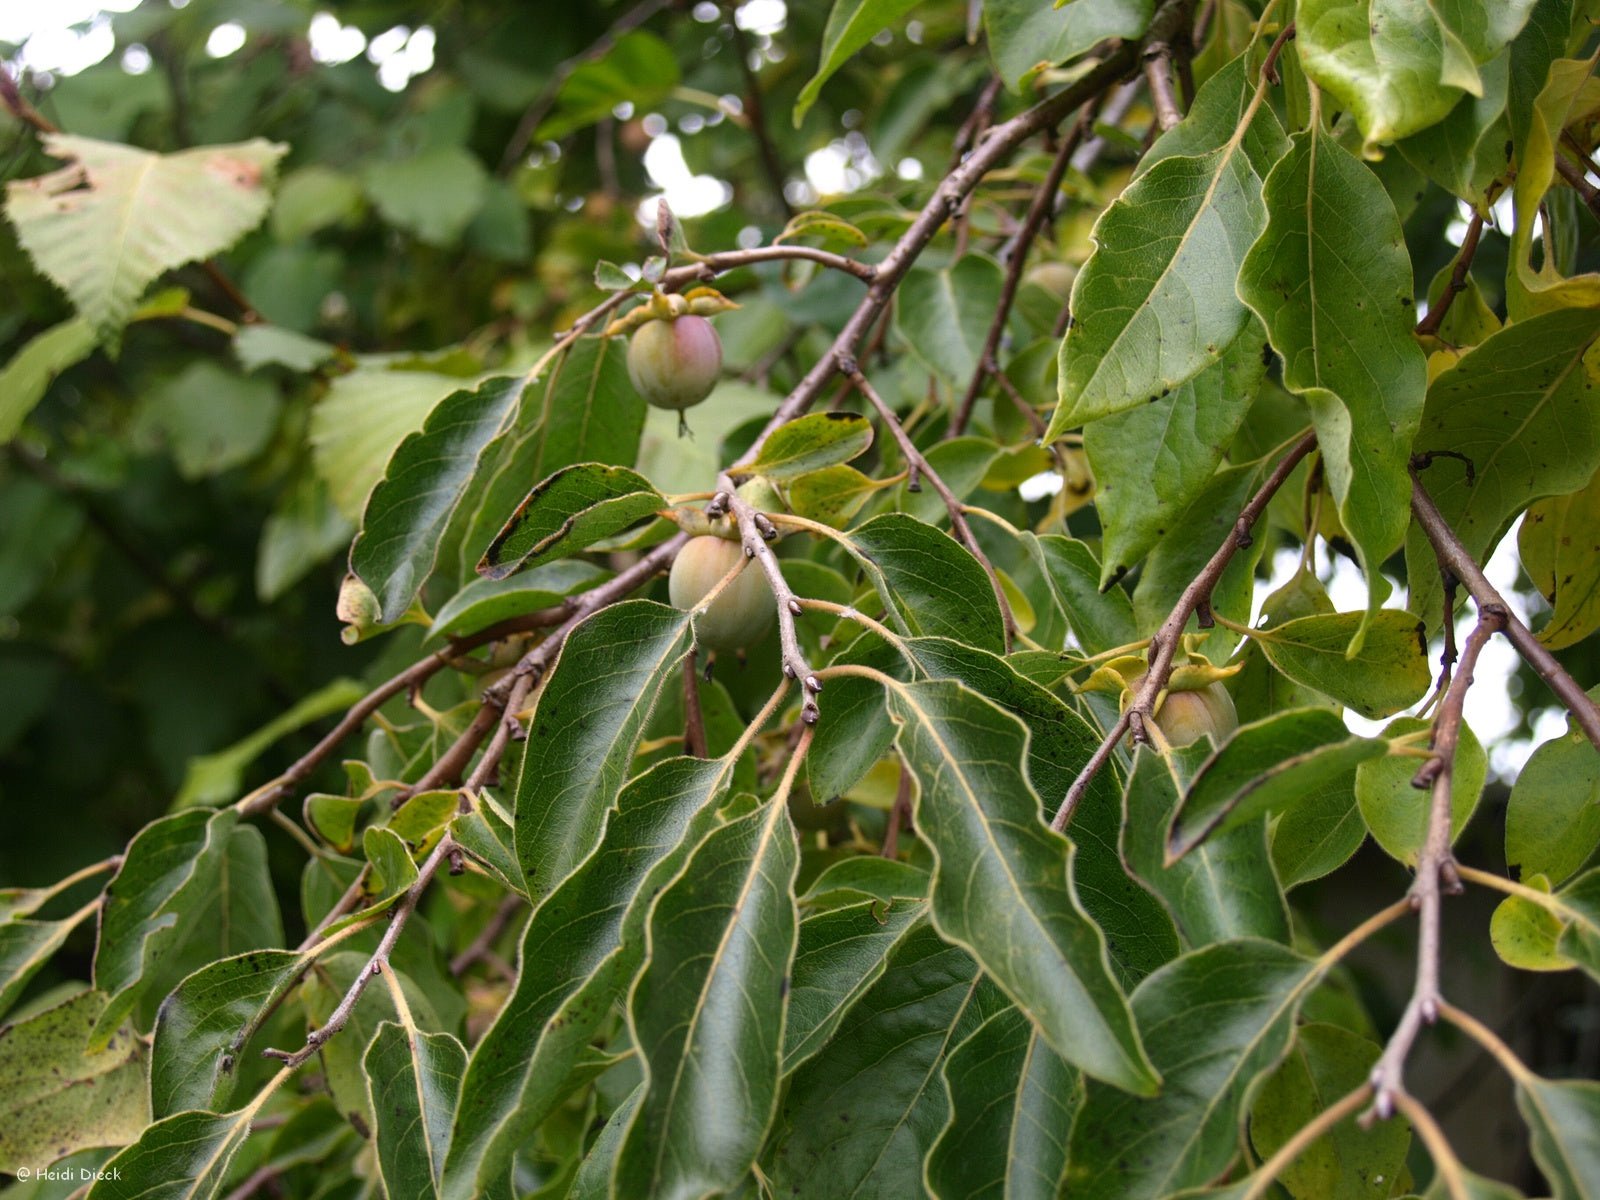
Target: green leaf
{"type": "Point", "coordinates": [554, 427]}
{"type": "Point", "coordinates": [862, 1114]}
{"type": "Point", "coordinates": [1527, 935]}
{"type": "Point", "coordinates": [1224, 887]}
{"type": "Point", "coordinates": [25, 946]}
{"type": "Point", "coordinates": [1213, 1021]}
{"type": "Point", "coordinates": [1521, 408]}
{"type": "Point", "coordinates": [1553, 814]}
{"type": "Point", "coordinates": [1579, 907]}
{"type": "Point", "coordinates": [851, 25]}
{"type": "Point", "coordinates": [424, 814]}
{"type": "Point", "coordinates": [1388, 673]}
{"type": "Point", "coordinates": [579, 950]}
{"type": "Point", "coordinates": [1025, 38]}
{"type": "Point", "coordinates": [1194, 538]}
{"type": "Point", "coordinates": [393, 868]}
{"type": "Point", "coordinates": [487, 835]}
{"type": "Point", "coordinates": [107, 224]}
{"type": "Point", "coordinates": [1138, 931]}
{"type": "Point", "coordinates": [593, 1180]}
{"type": "Point", "coordinates": [568, 512]}
{"type": "Point", "coordinates": [935, 584]}
{"type": "Point", "coordinates": [433, 194]}
{"type": "Point", "coordinates": [426, 478]}
{"type": "Point", "coordinates": [1319, 834]}
{"type": "Point", "coordinates": [204, 1023]}
{"type": "Point", "coordinates": [842, 953]}
{"type": "Point", "coordinates": [1011, 1105]}
{"type": "Point", "coordinates": [707, 1011]}
{"type": "Point", "coordinates": [413, 1079]}
{"type": "Point", "coordinates": [59, 1096]}
{"type": "Point", "coordinates": [640, 69]}
{"type": "Point", "coordinates": [1560, 546]}
{"type": "Point", "coordinates": [147, 915]}
{"type": "Point", "coordinates": [1331, 278]}
{"type": "Point", "coordinates": [1464, 153]}
{"type": "Point", "coordinates": [212, 419]}
{"type": "Point", "coordinates": [1264, 768]}
{"type": "Point", "coordinates": [833, 495]}
{"type": "Point", "coordinates": [257, 346]}
{"type": "Point", "coordinates": [312, 198]}
{"type": "Point", "coordinates": [1396, 812]}
{"type": "Point", "coordinates": [216, 778]}
{"type": "Point", "coordinates": [365, 414]}
{"type": "Point", "coordinates": [182, 1157]}
{"type": "Point", "coordinates": [591, 712]}
{"type": "Point", "coordinates": [1564, 1123]}
{"type": "Point", "coordinates": [32, 369]}
{"type": "Point", "coordinates": [1150, 463]}
{"type": "Point", "coordinates": [1002, 879]}
{"type": "Point", "coordinates": [486, 602]}
{"type": "Point", "coordinates": [944, 314]}
{"type": "Point", "coordinates": [1155, 304]}
{"type": "Point", "coordinates": [812, 443]}
{"type": "Point", "coordinates": [1346, 1163]}
{"type": "Point", "coordinates": [1100, 620]}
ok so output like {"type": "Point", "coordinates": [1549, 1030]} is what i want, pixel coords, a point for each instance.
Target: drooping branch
{"type": "Point", "coordinates": [1195, 601]}
{"type": "Point", "coordinates": [1453, 557]}
{"type": "Point", "coordinates": [1040, 210]}
{"type": "Point", "coordinates": [999, 142]}
{"type": "Point", "coordinates": [756, 534]}
{"type": "Point", "coordinates": [1436, 872]}
{"type": "Point", "coordinates": [919, 467]}
{"type": "Point", "coordinates": [1429, 325]}
{"type": "Point", "coordinates": [376, 965]}
{"type": "Point", "coordinates": [1163, 94]}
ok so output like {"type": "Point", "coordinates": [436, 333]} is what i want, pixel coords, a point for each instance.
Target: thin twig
{"type": "Point", "coordinates": [1262, 1179]}
{"type": "Point", "coordinates": [1573, 175]}
{"type": "Point", "coordinates": [1453, 557]}
{"type": "Point", "coordinates": [1196, 599]}
{"type": "Point", "coordinates": [1436, 873]}
{"type": "Point", "coordinates": [694, 720]}
{"type": "Point", "coordinates": [1158, 75]}
{"type": "Point", "coordinates": [1269, 65]}
{"type": "Point", "coordinates": [999, 142]}
{"type": "Point", "coordinates": [756, 533]}
{"type": "Point", "coordinates": [1039, 211]}
{"type": "Point", "coordinates": [1429, 325]}
{"type": "Point", "coordinates": [535, 661]}
{"type": "Point", "coordinates": [448, 768]}
{"type": "Point", "coordinates": [536, 112]}
{"type": "Point", "coordinates": [399, 915]}
{"type": "Point", "coordinates": [919, 467]}
{"type": "Point", "coordinates": [483, 944]}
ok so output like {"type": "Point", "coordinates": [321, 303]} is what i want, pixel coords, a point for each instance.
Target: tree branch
{"type": "Point", "coordinates": [1039, 211]}
{"type": "Point", "coordinates": [375, 966]}
{"type": "Point", "coordinates": [1453, 557]}
{"type": "Point", "coordinates": [1196, 598]}
{"type": "Point", "coordinates": [755, 534]}
{"type": "Point", "coordinates": [1000, 141]}
{"type": "Point", "coordinates": [919, 467]}
{"type": "Point", "coordinates": [1429, 325]}
{"type": "Point", "coordinates": [1436, 872]}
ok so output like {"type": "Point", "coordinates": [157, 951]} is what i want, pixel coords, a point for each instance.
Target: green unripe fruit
{"type": "Point", "coordinates": [675, 364]}
{"type": "Point", "coordinates": [1185, 715]}
{"type": "Point", "coordinates": [742, 611]}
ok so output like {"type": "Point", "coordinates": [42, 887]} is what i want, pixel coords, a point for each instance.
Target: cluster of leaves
{"type": "Point", "coordinates": [581, 918]}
